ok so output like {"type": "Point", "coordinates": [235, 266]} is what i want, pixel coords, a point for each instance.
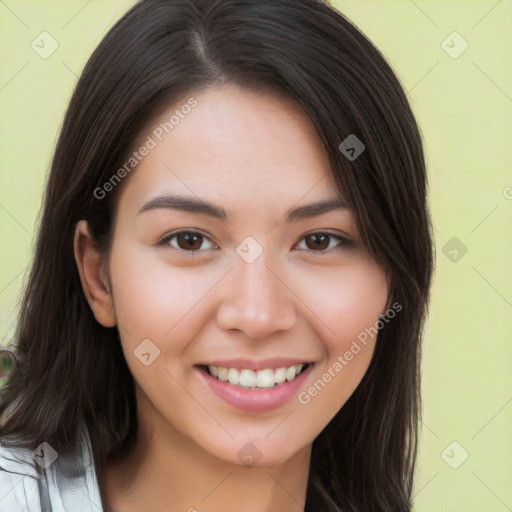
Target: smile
{"type": "Point", "coordinates": [261, 379]}
{"type": "Point", "coordinates": [252, 389]}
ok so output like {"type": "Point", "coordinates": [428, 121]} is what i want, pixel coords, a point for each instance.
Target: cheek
{"type": "Point", "coordinates": [349, 306]}
{"type": "Point", "coordinates": [163, 304]}
{"type": "Point", "coordinates": [362, 299]}
{"type": "Point", "coordinates": [345, 301]}
{"type": "Point", "coordinates": [151, 298]}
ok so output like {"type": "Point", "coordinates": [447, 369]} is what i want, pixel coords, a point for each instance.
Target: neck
{"type": "Point", "coordinates": [168, 472]}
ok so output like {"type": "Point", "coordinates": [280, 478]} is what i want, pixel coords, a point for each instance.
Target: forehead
{"type": "Point", "coordinates": [246, 145]}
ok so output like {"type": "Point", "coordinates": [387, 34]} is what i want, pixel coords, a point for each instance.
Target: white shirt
{"type": "Point", "coordinates": [68, 484]}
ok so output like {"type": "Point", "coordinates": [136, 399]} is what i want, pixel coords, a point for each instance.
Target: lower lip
{"type": "Point", "coordinates": [255, 400]}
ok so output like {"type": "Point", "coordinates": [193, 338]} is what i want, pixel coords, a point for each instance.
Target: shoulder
{"type": "Point", "coordinates": [57, 482]}
{"type": "Point", "coordinates": [19, 480]}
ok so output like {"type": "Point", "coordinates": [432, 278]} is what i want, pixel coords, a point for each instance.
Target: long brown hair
{"type": "Point", "coordinates": [72, 370]}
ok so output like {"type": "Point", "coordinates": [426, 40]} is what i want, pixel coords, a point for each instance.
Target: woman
{"type": "Point", "coordinates": [231, 275]}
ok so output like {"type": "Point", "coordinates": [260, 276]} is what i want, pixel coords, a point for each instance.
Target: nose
{"type": "Point", "coordinates": [256, 300]}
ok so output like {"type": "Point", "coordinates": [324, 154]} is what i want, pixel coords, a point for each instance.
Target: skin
{"type": "Point", "coordinates": [257, 155]}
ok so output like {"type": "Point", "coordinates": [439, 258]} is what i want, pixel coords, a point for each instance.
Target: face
{"type": "Point", "coordinates": [220, 265]}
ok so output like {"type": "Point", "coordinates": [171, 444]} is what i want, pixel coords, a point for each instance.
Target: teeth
{"type": "Point", "coordinates": [290, 373]}
{"type": "Point", "coordinates": [280, 375]}
{"type": "Point", "coordinates": [247, 379]}
{"type": "Point", "coordinates": [234, 376]}
{"type": "Point", "coordinates": [222, 373]}
{"type": "Point", "coordinates": [263, 379]}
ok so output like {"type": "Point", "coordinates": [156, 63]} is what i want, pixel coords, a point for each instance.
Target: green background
{"type": "Point", "coordinates": [463, 103]}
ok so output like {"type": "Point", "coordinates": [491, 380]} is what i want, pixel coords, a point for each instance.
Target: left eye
{"type": "Point", "coordinates": [320, 242]}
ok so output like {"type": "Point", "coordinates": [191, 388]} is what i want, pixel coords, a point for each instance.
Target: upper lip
{"type": "Point", "coordinates": [252, 364]}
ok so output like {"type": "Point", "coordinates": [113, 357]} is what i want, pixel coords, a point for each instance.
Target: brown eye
{"type": "Point", "coordinates": [321, 242]}
{"type": "Point", "coordinates": [186, 241]}
{"type": "Point", "coordinates": [189, 241]}
{"type": "Point", "coordinates": [317, 242]}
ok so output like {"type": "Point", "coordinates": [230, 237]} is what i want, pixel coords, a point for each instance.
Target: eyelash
{"type": "Point", "coordinates": [345, 243]}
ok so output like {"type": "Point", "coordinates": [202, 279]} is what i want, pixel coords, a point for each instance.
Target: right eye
{"type": "Point", "coordinates": [188, 242]}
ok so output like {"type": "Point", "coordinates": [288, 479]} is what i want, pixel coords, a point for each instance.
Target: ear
{"type": "Point", "coordinates": [93, 276]}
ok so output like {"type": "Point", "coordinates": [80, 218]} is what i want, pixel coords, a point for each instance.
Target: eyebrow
{"type": "Point", "coordinates": [202, 206]}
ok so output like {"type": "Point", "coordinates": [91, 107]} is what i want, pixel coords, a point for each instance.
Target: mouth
{"type": "Point", "coordinates": [265, 387]}
{"type": "Point", "coordinates": [247, 378]}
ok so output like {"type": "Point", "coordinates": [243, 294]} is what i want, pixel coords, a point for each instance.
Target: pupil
{"type": "Point", "coordinates": [189, 239]}
{"type": "Point", "coordinates": [319, 245]}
